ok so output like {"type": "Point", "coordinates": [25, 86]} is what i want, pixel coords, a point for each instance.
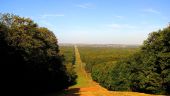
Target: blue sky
{"type": "Point", "coordinates": [94, 21]}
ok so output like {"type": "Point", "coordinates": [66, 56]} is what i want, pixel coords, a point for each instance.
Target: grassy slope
{"type": "Point", "coordinates": [83, 79]}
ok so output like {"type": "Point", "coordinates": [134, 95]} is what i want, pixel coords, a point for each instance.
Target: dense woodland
{"type": "Point", "coordinates": [146, 70]}
{"type": "Point", "coordinates": [31, 59]}
{"type": "Point", "coordinates": [99, 55]}
{"type": "Point", "coordinates": [68, 52]}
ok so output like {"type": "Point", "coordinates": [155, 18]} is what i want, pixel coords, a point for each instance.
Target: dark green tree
{"type": "Point", "coordinates": [30, 56]}
{"type": "Point", "coordinates": [148, 70]}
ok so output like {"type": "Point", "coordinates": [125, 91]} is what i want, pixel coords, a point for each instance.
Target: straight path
{"type": "Point", "coordinates": [85, 85]}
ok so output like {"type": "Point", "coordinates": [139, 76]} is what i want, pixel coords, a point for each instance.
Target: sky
{"type": "Point", "coordinates": [94, 21]}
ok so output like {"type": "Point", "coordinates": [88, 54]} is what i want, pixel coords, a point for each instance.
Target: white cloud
{"type": "Point", "coordinates": [121, 26]}
{"type": "Point", "coordinates": [51, 15]}
{"type": "Point", "coordinates": [150, 10]}
{"type": "Point", "coordinates": [85, 5]}
{"type": "Point", "coordinates": [119, 17]}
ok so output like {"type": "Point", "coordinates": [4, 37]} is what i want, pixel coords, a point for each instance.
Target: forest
{"type": "Point", "coordinates": [98, 55]}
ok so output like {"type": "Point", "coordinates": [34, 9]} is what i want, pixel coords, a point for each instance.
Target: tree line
{"type": "Point", "coordinates": [30, 57]}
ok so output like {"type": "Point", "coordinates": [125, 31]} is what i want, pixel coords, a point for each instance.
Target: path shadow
{"type": "Point", "coordinates": [67, 92]}
{"type": "Point", "coordinates": [72, 92]}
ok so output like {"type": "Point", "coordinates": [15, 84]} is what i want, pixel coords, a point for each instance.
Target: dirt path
{"type": "Point", "coordinates": [87, 87]}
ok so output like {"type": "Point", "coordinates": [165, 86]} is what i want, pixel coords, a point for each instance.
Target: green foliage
{"type": "Point", "coordinates": [100, 62]}
{"type": "Point", "coordinates": [148, 70]}
{"type": "Point", "coordinates": [98, 55]}
{"type": "Point", "coordinates": [101, 75]}
{"type": "Point", "coordinates": [71, 73]}
{"type": "Point", "coordinates": [68, 53]}
{"type": "Point", "coordinates": [31, 56]}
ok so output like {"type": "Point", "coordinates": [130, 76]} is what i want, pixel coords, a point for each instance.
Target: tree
{"type": "Point", "coordinates": [31, 56]}
{"type": "Point", "coordinates": [157, 48]}
{"type": "Point", "coordinates": [148, 70]}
